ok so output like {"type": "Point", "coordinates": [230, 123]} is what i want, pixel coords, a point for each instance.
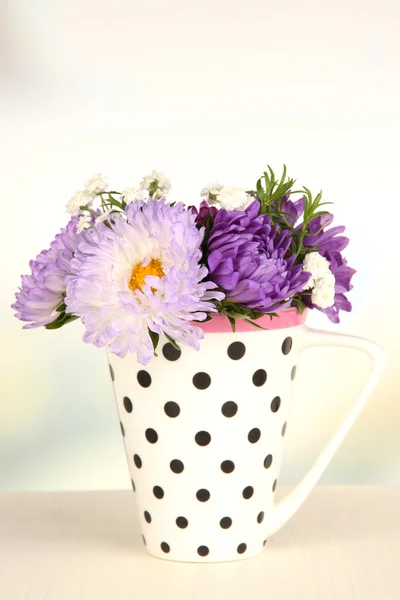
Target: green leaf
{"type": "Point", "coordinates": [298, 302]}
{"type": "Point", "coordinates": [260, 191]}
{"type": "Point", "coordinates": [250, 322]}
{"type": "Point", "coordinates": [320, 213]}
{"type": "Point", "coordinates": [155, 338]}
{"type": "Point", "coordinates": [282, 181]}
{"type": "Point", "coordinates": [113, 202]}
{"type": "Point", "coordinates": [254, 314]}
{"type": "Point", "coordinates": [62, 320]}
{"type": "Point", "coordinates": [173, 342]}
{"type": "Point", "coordinates": [316, 202]}
{"type": "Point", "coordinates": [61, 307]}
{"type": "Point", "coordinates": [232, 322]}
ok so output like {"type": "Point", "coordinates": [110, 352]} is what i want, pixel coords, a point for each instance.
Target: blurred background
{"type": "Point", "coordinates": [203, 92]}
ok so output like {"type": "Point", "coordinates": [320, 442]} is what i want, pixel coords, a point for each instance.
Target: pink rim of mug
{"type": "Point", "coordinates": [287, 318]}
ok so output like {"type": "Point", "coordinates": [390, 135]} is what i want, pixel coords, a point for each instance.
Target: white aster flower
{"type": "Point", "coordinates": [132, 194]}
{"type": "Point", "coordinates": [212, 189]}
{"type": "Point", "coordinates": [232, 198]}
{"type": "Point", "coordinates": [80, 199]}
{"type": "Point", "coordinates": [84, 223]}
{"type": "Point", "coordinates": [317, 265]}
{"type": "Point", "coordinates": [163, 183]}
{"type": "Point", "coordinates": [323, 294]}
{"type": "Point", "coordinates": [96, 184]}
{"type": "Point", "coordinates": [142, 273]}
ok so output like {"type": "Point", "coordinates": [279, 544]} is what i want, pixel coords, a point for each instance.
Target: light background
{"type": "Point", "coordinates": [202, 91]}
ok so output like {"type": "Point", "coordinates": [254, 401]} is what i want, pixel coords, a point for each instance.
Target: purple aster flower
{"type": "Point", "coordinates": [204, 211]}
{"type": "Point", "coordinates": [43, 290]}
{"type": "Point", "coordinates": [247, 260]}
{"type": "Point", "coordinates": [330, 244]}
{"type": "Point", "coordinates": [142, 273]}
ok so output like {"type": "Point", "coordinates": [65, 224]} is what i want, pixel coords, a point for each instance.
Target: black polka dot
{"type": "Point", "coordinates": [287, 345]}
{"type": "Point", "coordinates": [182, 522]}
{"type": "Point", "coordinates": [274, 485]}
{"type": "Point", "coordinates": [127, 404]}
{"type": "Point", "coordinates": [229, 409]}
{"type": "Point", "coordinates": [203, 495]}
{"type": "Point", "coordinates": [242, 548]}
{"type": "Point", "coordinates": [248, 492]}
{"type": "Point", "coordinates": [112, 373]}
{"type": "Point", "coordinates": [165, 547]}
{"type": "Point", "coordinates": [147, 516]}
{"type": "Point", "coordinates": [172, 409]}
{"type": "Point", "coordinates": [236, 351]}
{"type": "Point", "coordinates": [122, 429]}
{"type": "Point", "coordinates": [284, 429]}
{"type": "Point", "coordinates": [259, 377]}
{"type": "Point", "coordinates": [227, 466]}
{"type": "Point", "coordinates": [293, 373]}
{"type": "Point", "coordinates": [254, 435]}
{"type": "Point", "coordinates": [171, 353]}
{"type": "Point", "coordinates": [158, 492]}
{"type": "Point", "coordinates": [133, 485]}
{"type": "Point", "coordinates": [260, 517]}
{"type": "Point", "coordinates": [268, 461]}
{"type": "Point", "coordinates": [201, 381]}
{"type": "Point", "coordinates": [264, 542]}
{"type": "Point", "coordinates": [203, 438]}
{"type": "Point", "coordinates": [144, 540]}
{"type": "Point", "coordinates": [225, 522]}
{"type": "Point", "coordinates": [275, 404]}
{"type": "Point", "coordinates": [137, 460]}
{"type": "Point", "coordinates": [151, 435]}
{"type": "Point", "coordinates": [202, 551]}
{"type": "Point", "coordinates": [144, 378]}
{"type": "Point", "coordinates": [176, 466]}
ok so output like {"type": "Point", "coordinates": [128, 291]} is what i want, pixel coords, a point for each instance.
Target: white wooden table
{"type": "Point", "coordinates": [343, 544]}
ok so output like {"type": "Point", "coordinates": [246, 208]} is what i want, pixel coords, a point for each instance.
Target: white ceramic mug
{"type": "Point", "coordinates": [204, 430]}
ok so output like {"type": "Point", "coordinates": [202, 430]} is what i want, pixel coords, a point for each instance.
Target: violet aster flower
{"type": "Point", "coordinates": [248, 260]}
{"type": "Point", "coordinates": [43, 290]}
{"type": "Point", "coordinates": [142, 273]}
{"type": "Point", "coordinates": [330, 244]}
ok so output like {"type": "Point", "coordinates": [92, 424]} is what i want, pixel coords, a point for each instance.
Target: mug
{"type": "Point", "coordinates": [203, 432]}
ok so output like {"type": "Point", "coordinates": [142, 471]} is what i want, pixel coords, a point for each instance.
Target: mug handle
{"type": "Point", "coordinates": [289, 505]}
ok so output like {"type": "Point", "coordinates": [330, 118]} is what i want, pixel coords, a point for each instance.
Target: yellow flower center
{"type": "Point", "coordinates": [139, 272]}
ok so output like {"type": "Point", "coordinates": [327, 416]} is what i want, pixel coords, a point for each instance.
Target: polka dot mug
{"type": "Point", "coordinates": [203, 434]}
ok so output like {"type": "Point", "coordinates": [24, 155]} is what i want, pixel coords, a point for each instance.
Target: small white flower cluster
{"type": "Point", "coordinates": [162, 187]}
{"type": "Point", "coordinates": [226, 196]}
{"type": "Point", "coordinates": [322, 280]}
{"type": "Point", "coordinates": [157, 183]}
{"type": "Point", "coordinates": [132, 194]}
{"type": "Point", "coordinates": [83, 223]}
{"type": "Point", "coordinates": [93, 186]}
{"type": "Point", "coordinates": [211, 191]}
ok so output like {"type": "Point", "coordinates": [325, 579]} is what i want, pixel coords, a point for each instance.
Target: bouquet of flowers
{"type": "Point", "coordinates": [133, 266]}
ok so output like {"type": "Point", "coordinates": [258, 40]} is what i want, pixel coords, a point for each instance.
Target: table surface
{"type": "Point", "coordinates": [344, 543]}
